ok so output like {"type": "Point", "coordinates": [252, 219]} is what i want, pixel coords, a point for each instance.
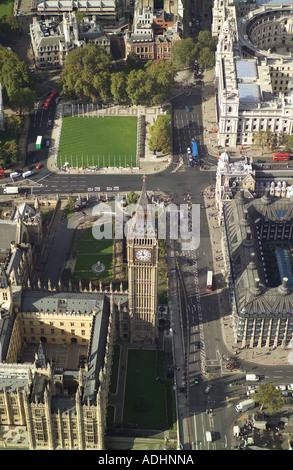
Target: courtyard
{"type": "Point", "coordinates": [94, 258]}
{"type": "Point", "coordinates": [140, 392]}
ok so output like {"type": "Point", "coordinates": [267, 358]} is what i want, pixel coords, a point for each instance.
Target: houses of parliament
{"type": "Point", "coordinates": [62, 402]}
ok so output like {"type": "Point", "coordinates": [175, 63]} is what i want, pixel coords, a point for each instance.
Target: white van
{"type": "Point", "coordinates": [26, 174]}
{"type": "Point", "coordinates": [209, 436]}
{"type": "Point", "coordinates": [15, 175]}
{"type": "Point", "coordinates": [252, 377]}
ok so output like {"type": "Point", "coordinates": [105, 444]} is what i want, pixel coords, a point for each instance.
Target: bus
{"type": "Point", "coordinates": [194, 151]}
{"type": "Point", "coordinates": [209, 280]}
{"type": "Point", "coordinates": [39, 142]}
{"type": "Point", "coordinates": [281, 157]}
{"type": "Point", "coordinates": [50, 98]}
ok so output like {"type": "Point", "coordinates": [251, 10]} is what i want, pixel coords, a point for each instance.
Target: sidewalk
{"type": "Point", "coordinates": [265, 356]}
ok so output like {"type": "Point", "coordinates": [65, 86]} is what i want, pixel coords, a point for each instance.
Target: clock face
{"type": "Point", "coordinates": [143, 254]}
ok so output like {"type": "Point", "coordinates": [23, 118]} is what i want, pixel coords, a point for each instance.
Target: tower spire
{"type": "Point", "coordinates": [143, 200]}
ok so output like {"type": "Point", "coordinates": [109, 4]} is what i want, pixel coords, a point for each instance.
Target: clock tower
{"type": "Point", "coordinates": [142, 259]}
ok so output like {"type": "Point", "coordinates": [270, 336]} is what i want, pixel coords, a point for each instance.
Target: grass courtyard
{"type": "Point", "coordinates": [148, 395]}
{"type": "Point", "coordinates": [90, 251]}
{"type": "Point", "coordinates": [98, 141]}
{"type": "Point", "coordinates": [6, 7]}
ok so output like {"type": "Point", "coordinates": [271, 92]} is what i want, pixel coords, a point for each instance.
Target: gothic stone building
{"type": "Point", "coordinates": [56, 349]}
{"type": "Point", "coordinates": [60, 398]}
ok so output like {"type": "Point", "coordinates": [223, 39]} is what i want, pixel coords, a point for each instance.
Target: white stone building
{"type": "Point", "coordinates": [253, 71]}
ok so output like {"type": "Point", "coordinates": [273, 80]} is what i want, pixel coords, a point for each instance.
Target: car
{"type": "Point", "coordinates": [252, 387]}
{"type": "Point", "coordinates": [208, 389]}
{"type": "Point", "coordinates": [39, 165]}
{"type": "Point", "coordinates": [30, 167]}
{"type": "Point", "coordinates": [197, 344]}
{"type": "Point", "coordinates": [260, 161]}
{"type": "Point", "coordinates": [188, 150]}
{"type": "Point", "coordinates": [281, 387]}
{"type": "Point", "coordinates": [187, 108]}
{"type": "Point", "coordinates": [196, 380]}
{"type": "Point", "coordinates": [48, 143]}
{"type": "Point", "coordinates": [50, 122]}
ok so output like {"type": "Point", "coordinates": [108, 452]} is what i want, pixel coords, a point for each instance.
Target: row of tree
{"type": "Point", "coordinates": [269, 140]}
{"type": "Point", "coordinates": [9, 150]}
{"type": "Point", "coordinates": [86, 75]}
{"type": "Point", "coordinates": [18, 82]}
{"type": "Point", "coordinates": [202, 49]}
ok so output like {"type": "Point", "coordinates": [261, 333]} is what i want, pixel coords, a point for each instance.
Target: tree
{"type": "Point", "coordinates": [133, 61]}
{"type": "Point", "coordinates": [14, 76]}
{"type": "Point", "coordinates": [131, 198]}
{"type": "Point", "coordinates": [184, 52]}
{"type": "Point", "coordinates": [80, 15]}
{"type": "Point", "coordinates": [23, 100]}
{"type": "Point", "coordinates": [118, 87]}
{"type": "Point", "coordinates": [287, 141]}
{"type": "Point", "coordinates": [10, 25]}
{"type": "Point", "coordinates": [163, 76]}
{"type": "Point", "coordinates": [269, 397]}
{"type": "Point", "coordinates": [9, 153]}
{"type": "Point", "coordinates": [205, 39]}
{"type": "Point", "coordinates": [206, 58]}
{"type": "Point", "coordinates": [264, 139]}
{"type": "Point", "coordinates": [136, 86]}
{"type": "Point", "coordinates": [14, 125]}
{"type": "Point", "coordinates": [160, 135]}
{"type": "Point", "coordinates": [79, 74]}
{"type": "Point", "coordinates": [101, 83]}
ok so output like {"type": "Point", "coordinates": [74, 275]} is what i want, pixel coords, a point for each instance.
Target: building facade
{"type": "Point", "coordinates": [52, 40]}
{"type": "Point", "coordinates": [253, 71]}
{"type": "Point", "coordinates": [154, 33]}
{"type": "Point", "coordinates": [108, 11]}
{"type": "Point", "coordinates": [142, 259]}
{"type": "Point", "coordinates": [59, 400]}
{"type": "Point", "coordinates": [257, 246]}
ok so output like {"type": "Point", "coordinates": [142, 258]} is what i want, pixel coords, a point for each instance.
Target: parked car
{"type": "Point", "coordinates": [208, 389]}
{"type": "Point", "coordinates": [39, 165]}
{"type": "Point", "coordinates": [48, 143]}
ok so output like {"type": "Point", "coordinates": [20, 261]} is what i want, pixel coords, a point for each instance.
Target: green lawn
{"type": "Point", "coordinates": [89, 244]}
{"type": "Point", "coordinates": [98, 141]}
{"type": "Point", "coordinates": [145, 398]}
{"type": "Point", "coordinates": [6, 7]}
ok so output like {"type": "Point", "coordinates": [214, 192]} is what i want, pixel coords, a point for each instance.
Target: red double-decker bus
{"type": "Point", "coordinates": [50, 98]}
{"type": "Point", "coordinates": [281, 157]}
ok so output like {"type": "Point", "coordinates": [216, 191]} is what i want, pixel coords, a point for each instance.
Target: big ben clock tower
{"type": "Point", "coordinates": [142, 258]}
